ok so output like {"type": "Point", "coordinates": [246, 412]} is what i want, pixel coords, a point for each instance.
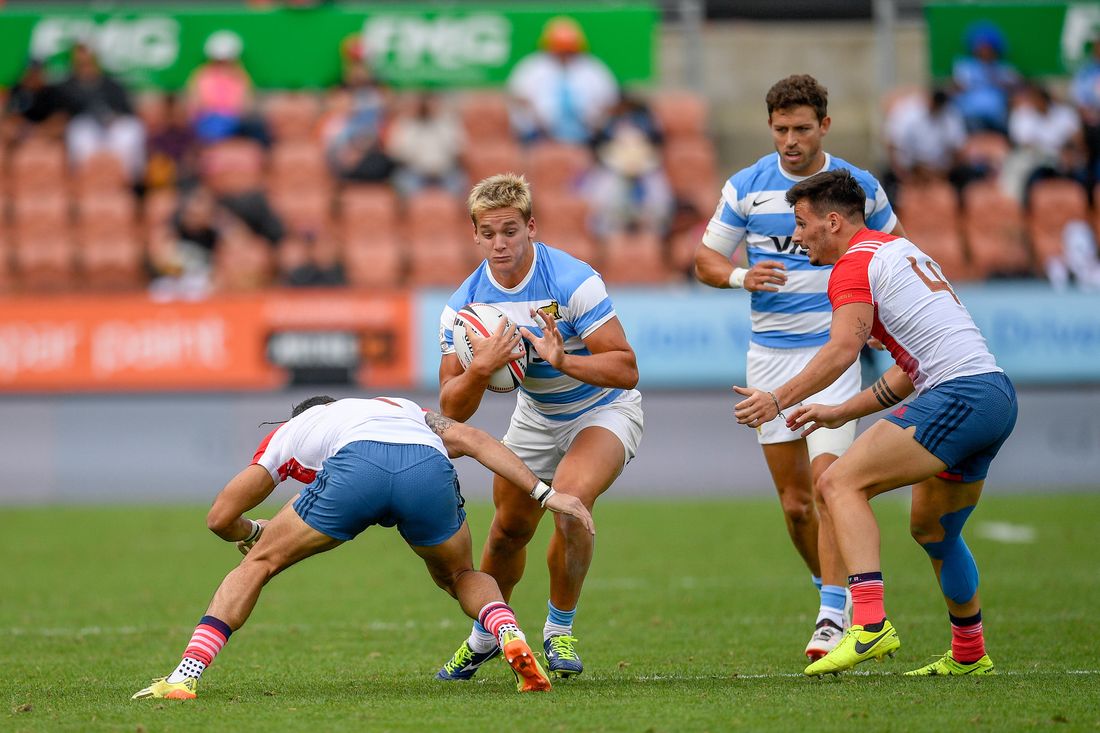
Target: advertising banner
{"type": "Point", "coordinates": [697, 338]}
{"type": "Point", "coordinates": [406, 44]}
{"type": "Point", "coordinates": [257, 342]}
{"type": "Point", "coordinates": [1042, 38]}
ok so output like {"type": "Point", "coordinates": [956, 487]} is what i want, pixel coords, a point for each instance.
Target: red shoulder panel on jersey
{"type": "Point", "coordinates": [263, 445]}
{"type": "Point", "coordinates": [849, 282]}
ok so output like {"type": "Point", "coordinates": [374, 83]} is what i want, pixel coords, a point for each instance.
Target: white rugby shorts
{"type": "Point", "coordinates": [770, 368]}
{"type": "Point", "coordinates": [541, 443]}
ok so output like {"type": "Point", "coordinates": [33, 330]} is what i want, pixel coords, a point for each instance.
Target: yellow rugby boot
{"type": "Point", "coordinates": [946, 666]}
{"type": "Point", "coordinates": [858, 645]}
{"type": "Point", "coordinates": [162, 688]}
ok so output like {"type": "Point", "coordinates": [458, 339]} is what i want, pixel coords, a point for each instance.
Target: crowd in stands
{"type": "Point", "coordinates": [994, 175]}
{"type": "Point", "coordinates": [220, 188]}
{"type": "Point", "coordinates": [217, 187]}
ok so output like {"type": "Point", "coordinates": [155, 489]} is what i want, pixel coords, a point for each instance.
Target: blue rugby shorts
{"type": "Point", "coordinates": [963, 422]}
{"type": "Point", "coordinates": [410, 486]}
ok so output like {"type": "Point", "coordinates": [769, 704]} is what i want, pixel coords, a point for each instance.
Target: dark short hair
{"type": "Point", "coordinates": [321, 399]}
{"type": "Point", "coordinates": [827, 191]}
{"type": "Point", "coordinates": [798, 90]}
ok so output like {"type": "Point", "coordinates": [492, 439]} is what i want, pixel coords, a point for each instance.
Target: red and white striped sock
{"type": "Point", "coordinates": [867, 598]}
{"type": "Point", "coordinates": [967, 640]}
{"type": "Point", "coordinates": [210, 636]}
{"type": "Point", "coordinates": [497, 617]}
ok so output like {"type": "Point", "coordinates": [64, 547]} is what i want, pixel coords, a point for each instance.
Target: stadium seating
{"type": "Point", "coordinates": [485, 117]}
{"type": "Point", "coordinates": [993, 225]}
{"type": "Point", "coordinates": [555, 166]}
{"type": "Point", "coordinates": [1054, 203]}
{"type": "Point", "coordinates": [680, 113]}
{"type": "Point", "coordinates": [929, 212]}
{"type": "Point", "coordinates": [634, 257]}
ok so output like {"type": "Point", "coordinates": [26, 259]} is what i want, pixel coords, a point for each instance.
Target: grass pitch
{"type": "Point", "coordinates": [693, 618]}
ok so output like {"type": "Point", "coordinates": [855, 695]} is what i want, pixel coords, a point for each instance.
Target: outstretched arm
{"type": "Point", "coordinates": [464, 440]}
{"type": "Point", "coordinates": [890, 389]}
{"type": "Point", "coordinates": [851, 327]}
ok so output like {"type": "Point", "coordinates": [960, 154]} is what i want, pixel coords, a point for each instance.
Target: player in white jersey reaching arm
{"type": "Point", "coordinates": [578, 418]}
{"type": "Point", "coordinates": [790, 320]}
{"type": "Point", "coordinates": [379, 461]}
{"type": "Point", "coordinates": [941, 442]}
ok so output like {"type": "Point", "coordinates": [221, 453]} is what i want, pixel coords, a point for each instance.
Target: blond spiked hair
{"type": "Point", "coordinates": [502, 191]}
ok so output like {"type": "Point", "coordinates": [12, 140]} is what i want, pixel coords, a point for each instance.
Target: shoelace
{"type": "Point", "coordinates": [461, 658]}
{"type": "Point", "coordinates": [562, 646]}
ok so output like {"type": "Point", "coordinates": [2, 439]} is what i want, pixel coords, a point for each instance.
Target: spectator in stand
{"type": "Point", "coordinates": [101, 115]}
{"type": "Point", "coordinates": [1048, 137]}
{"type": "Point", "coordinates": [172, 148]}
{"type": "Point", "coordinates": [1085, 92]}
{"type": "Point", "coordinates": [561, 92]}
{"type": "Point", "coordinates": [924, 136]}
{"type": "Point", "coordinates": [354, 139]}
{"type": "Point", "coordinates": [426, 144]}
{"type": "Point", "coordinates": [219, 93]}
{"type": "Point", "coordinates": [182, 254]}
{"type": "Point", "coordinates": [627, 188]}
{"type": "Point", "coordinates": [33, 106]}
{"type": "Point", "coordinates": [311, 261]}
{"type": "Point", "coordinates": [632, 110]}
{"type": "Point", "coordinates": [983, 81]}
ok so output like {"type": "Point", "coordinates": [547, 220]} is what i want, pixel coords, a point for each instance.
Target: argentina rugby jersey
{"type": "Point", "coordinates": [754, 209]}
{"type": "Point", "coordinates": [563, 287]}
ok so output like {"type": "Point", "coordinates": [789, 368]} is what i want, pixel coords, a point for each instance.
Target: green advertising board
{"type": "Point", "coordinates": [407, 44]}
{"type": "Point", "coordinates": [1042, 38]}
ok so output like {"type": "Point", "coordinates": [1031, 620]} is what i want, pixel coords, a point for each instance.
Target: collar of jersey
{"type": "Point", "coordinates": [522, 283]}
{"type": "Point", "coordinates": [783, 171]}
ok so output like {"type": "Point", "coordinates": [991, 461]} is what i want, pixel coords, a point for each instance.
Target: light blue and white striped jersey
{"type": "Point", "coordinates": [564, 287]}
{"type": "Point", "coordinates": [754, 209]}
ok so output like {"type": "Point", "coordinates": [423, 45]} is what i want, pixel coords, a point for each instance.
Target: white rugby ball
{"type": "Point", "coordinates": [484, 319]}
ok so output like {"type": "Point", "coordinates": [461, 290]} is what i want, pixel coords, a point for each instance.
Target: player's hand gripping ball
{"type": "Point", "coordinates": [483, 320]}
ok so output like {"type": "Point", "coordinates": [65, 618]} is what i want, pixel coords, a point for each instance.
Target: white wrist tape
{"type": "Point", "coordinates": [257, 528]}
{"type": "Point", "coordinates": [737, 277]}
{"type": "Point", "coordinates": [541, 492]}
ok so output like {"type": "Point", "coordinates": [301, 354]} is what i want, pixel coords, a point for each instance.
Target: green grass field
{"type": "Point", "coordinates": [693, 618]}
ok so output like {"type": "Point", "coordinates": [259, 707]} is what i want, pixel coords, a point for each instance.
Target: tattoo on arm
{"type": "Point", "coordinates": [885, 396]}
{"type": "Point", "coordinates": [438, 423]}
{"type": "Point", "coordinates": [863, 330]}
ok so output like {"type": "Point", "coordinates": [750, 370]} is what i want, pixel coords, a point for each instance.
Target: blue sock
{"type": "Point", "coordinates": [558, 620]}
{"type": "Point", "coordinates": [833, 596]}
{"type": "Point", "coordinates": [816, 580]}
{"type": "Point", "coordinates": [480, 629]}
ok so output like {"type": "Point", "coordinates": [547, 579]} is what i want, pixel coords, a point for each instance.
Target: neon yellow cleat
{"type": "Point", "coordinates": [946, 666]}
{"type": "Point", "coordinates": [857, 646]}
{"type": "Point", "coordinates": [162, 688]}
{"type": "Point", "coordinates": [530, 676]}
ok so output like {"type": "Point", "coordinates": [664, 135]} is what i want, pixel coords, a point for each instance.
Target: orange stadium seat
{"type": "Point", "coordinates": [37, 165]}
{"type": "Point", "coordinates": [490, 157]}
{"type": "Point", "coordinates": [680, 113]}
{"type": "Point", "coordinates": [233, 166]}
{"type": "Point", "coordinates": [292, 115]}
{"type": "Point", "coordinates": [368, 210]}
{"type": "Point", "coordinates": [929, 212]}
{"type": "Point", "coordinates": [376, 264]}
{"type": "Point", "coordinates": [45, 211]}
{"type": "Point", "coordinates": [581, 245]}
{"type": "Point", "coordinates": [1054, 203]}
{"type": "Point", "coordinates": [556, 166]}
{"type": "Point", "coordinates": [986, 150]}
{"type": "Point", "coordinates": [634, 258]}
{"type": "Point", "coordinates": [441, 260]}
{"type": "Point", "coordinates": [304, 211]}
{"type": "Point", "coordinates": [111, 261]}
{"type": "Point", "coordinates": [993, 223]}
{"type": "Point", "coordinates": [100, 172]}
{"type": "Point", "coordinates": [297, 166]}
{"type": "Point", "coordinates": [691, 166]}
{"type": "Point", "coordinates": [485, 116]}
{"type": "Point", "coordinates": [561, 215]}
{"type": "Point", "coordinates": [242, 261]}
{"type": "Point", "coordinates": [106, 212]}
{"type": "Point", "coordinates": [45, 260]}
{"type": "Point", "coordinates": [7, 280]}
{"type": "Point", "coordinates": [434, 212]}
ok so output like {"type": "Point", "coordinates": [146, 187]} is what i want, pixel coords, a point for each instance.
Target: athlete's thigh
{"type": "Point", "coordinates": [789, 465]}
{"type": "Point", "coordinates": [287, 539]}
{"type": "Point", "coordinates": [884, 457]}
{"type": "Point", "coordinates": [936, 497]}
{"type": "Point", "coordinates": [594, 460]}
{"type": "Point", "coordinates": [450, 557]}
{"type": "Point", "coordinates": [517, 514]}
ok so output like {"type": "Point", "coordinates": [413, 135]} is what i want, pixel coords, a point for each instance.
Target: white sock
{"type": "Point", "coordinates": [836, 615]}
{"type": "Point", "coordinates": [187, 668]}
{"type": "Point", "coordinates": [550, 629]}
{"type": "Point", "coordinates": [481, 641]}
{"type": "Point", "coordinates": [505, 628]}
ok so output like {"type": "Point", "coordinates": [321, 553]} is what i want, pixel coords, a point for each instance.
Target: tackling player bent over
{"type": "Point", "coordinates": [941, 442]}
{"type": "Point", "coordinates": [379, 461]}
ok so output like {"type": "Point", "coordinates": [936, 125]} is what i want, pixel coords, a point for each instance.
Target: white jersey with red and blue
{"type": "Point", "coordinates": [297, 448]}
{"type": "Point", "coordinates": [572, 293]}
{"type": "Point", "coordinates": [753, 209]}
{"type": "Point", "coordinates": [918, 317]}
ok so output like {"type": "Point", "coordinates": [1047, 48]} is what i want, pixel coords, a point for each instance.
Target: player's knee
{"type": "Point", "coordinates": [512, 534]}
{"type": "Point", "coordinates": [571, 528]}
{"type": "Point", "coordinates": [799, 509]}
{"type": "Point", "coordinates": [958, 571]}
{"type": "Point", "coordinates": [924, 530]}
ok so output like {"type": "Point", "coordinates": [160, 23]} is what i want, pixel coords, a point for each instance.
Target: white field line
{"type": "Point", "coordinates": [1006, 532]}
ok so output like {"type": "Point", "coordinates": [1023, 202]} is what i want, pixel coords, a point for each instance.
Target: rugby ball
{"type": "Point", "coordinates": [484, 319]}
